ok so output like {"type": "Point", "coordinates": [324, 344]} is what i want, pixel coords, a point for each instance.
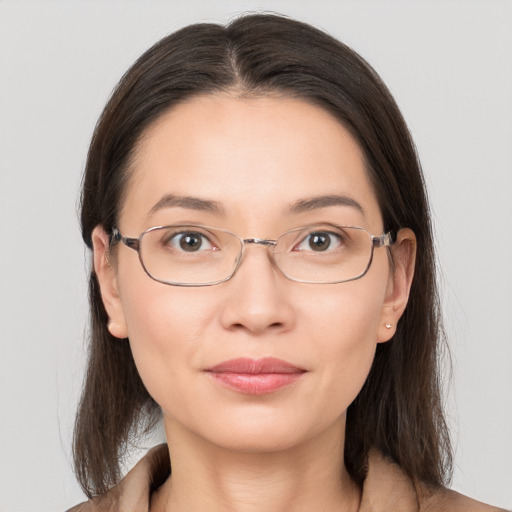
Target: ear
{"type": "Point", "coordinates": [106, 274]}
{"type": "Point", "coordinates": [399, 286]}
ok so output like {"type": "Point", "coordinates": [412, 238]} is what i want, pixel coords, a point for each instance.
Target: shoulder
{"type": "Point", "coordinates": [451, 501]}
{"type": "Point", "coordinates": [134, 491]}
{"type": "Point", "coordinates": [388, 487]}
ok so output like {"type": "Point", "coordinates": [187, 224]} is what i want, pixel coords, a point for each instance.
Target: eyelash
{"type": "Point", "coordinates": [310, 236]}
{"type": "Point", "coordinates": [179, 236]}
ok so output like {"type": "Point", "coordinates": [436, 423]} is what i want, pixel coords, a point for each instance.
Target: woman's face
{"type": "Point", "coordinates": [254, 159]}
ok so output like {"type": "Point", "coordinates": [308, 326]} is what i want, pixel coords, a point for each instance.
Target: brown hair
{"type": "Point", "coordinates": [399, 408]}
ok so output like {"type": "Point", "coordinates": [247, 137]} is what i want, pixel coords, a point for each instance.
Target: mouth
{"type": "Point", "coordinates": [255, 376]}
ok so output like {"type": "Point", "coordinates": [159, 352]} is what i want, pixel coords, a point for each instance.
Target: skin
{"type": "Point", "coordinates": [256, 157]}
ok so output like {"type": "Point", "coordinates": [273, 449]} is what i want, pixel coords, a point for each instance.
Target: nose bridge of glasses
{"type": "Point", "coordinates": [259, 241]}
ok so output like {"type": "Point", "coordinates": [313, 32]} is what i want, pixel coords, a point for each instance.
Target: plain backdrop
{"type": "Point", "coordinates": [449, 65]}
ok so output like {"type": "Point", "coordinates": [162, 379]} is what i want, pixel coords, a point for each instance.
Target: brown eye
{"type": "Point", "coordinates": [190, 241]}
{"type": "Point", "coordinates": [319, 241]}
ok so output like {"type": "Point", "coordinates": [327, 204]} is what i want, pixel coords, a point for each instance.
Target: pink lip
{"type": "Point", "coordinates": [255, 376]}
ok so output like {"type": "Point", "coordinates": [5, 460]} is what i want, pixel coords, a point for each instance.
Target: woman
{"type": "Point", "coordinates": [264, 281]}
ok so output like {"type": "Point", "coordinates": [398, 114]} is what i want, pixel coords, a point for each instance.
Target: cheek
{"type": "Point", "coordinates": [350, 312]}
{"type": "Point", "coordinates": [344, 326]}
{"type": "Point", "coordinates": [165, 326]}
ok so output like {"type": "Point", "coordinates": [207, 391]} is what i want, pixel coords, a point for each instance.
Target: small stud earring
{"type": "Point", "coordinates": [388, 326]}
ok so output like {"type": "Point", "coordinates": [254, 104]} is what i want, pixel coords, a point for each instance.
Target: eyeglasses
{"type": "Point", "coordinates": [194, 255]}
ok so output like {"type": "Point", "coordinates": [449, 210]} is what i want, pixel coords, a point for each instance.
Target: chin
{"type": "Point", "coordinates": [258, 429]}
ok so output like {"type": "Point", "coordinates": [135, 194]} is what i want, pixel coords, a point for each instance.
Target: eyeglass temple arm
{"type": "Point", "coordinates": [116, 237]}
{"type": "Point", "coordinates": [385, 240]}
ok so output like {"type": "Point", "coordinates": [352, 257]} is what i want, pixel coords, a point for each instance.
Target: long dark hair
{"type": "Point", "coordinates": [399, 409]}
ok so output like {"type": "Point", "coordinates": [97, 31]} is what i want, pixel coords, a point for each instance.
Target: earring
{"type": "Point", "coordinates": [388, 326]}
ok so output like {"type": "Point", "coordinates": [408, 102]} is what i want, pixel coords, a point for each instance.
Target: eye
{"type": "Point", "coordinates": [189, 241]}
{"type": "Point", "coordinates": [319, 241]}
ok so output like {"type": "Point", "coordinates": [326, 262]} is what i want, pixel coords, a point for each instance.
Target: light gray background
{"type": "Point", "coordinates": [449, 65]}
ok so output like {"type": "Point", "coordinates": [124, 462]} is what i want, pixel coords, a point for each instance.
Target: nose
{"type": "Point", "coordinates": [257, 296]}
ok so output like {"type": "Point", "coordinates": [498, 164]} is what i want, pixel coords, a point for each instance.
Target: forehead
{"type": "Point", "coordinates": [254, 157]}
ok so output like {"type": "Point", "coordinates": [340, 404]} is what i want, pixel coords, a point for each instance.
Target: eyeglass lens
{"type": "Point", "coordinates": [195, 255]}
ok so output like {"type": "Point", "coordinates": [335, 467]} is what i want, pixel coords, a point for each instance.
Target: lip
{"type": "Point", "coordinates": [255, 376]}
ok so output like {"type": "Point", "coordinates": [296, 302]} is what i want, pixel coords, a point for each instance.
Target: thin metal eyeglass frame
{"type": "Point", "coordinates": [385, 240]}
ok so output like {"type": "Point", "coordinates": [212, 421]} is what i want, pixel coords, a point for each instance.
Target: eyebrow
{"type": "Point", "coordinates": [317, 202]}
{"type": "Point", "coordinates": [300, 206]}
{"type": "Point", "coordinates": [189, 202]}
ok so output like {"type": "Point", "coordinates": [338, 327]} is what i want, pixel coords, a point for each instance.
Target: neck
{"type": "Point", "coordinates": [311, 476]}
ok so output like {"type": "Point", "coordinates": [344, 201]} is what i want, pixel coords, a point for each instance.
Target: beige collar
{"type": "Point", "coordinates": [386, 489]}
